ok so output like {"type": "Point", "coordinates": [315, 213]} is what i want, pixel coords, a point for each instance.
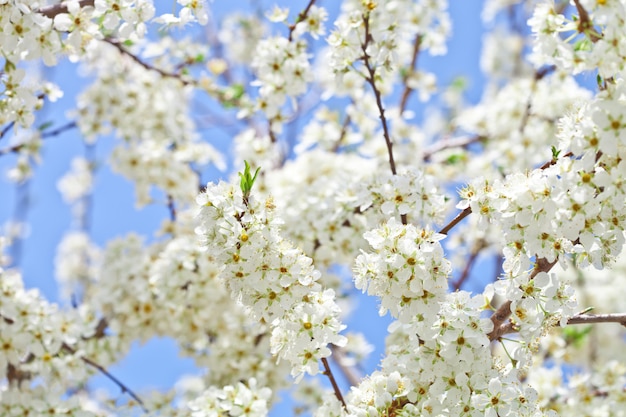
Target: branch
{"type": "Point", "coordinates": [466, 212]}
{"type": "Point", "coordinates": [147, 66]}
{"type": "Point", "coordinates": [6, 129]}
{"type": "Point", "coordinates": [371, 80]}
{"type": "Point", "coordinates": [56, 9]}
{"type": "Point", "coordinates": [468, 265]}
{"type": "Point", "coordinates": [585, 24]}
{"type": "Point", "coordinates": [407, 90]}
{"type": "Point", "coordinates": [580, 319]}
{"type": "Point", "coordinates": [330, 376]}
{"type": "Point", "coordinates": [598, 318]}
{"type": "Point", "coordinates": [120, 384]}
{"type": "Point", "coordinates": [48, 134]}
{"type": "Point", "coordinates": [379, 103]}
{"type": "Point", "coordinates": [460, 142]}
{"type": "Point", "coordinates": [504, 311]}
{"type": "Point", "coordinates": [348, 372]}
{"type": "Point", "coordinates": [301, 16]}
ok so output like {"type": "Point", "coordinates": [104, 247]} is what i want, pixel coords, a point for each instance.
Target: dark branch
{"type": "Point", "coordinates": [407, 90]}
{"type": "Point", "coordinates": [336, 389]}
{"type": "Point", "coordinates": [303, 14]}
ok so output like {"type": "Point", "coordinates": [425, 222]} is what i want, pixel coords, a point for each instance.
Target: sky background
{"type": "Point", "coordinates": [156, 364]}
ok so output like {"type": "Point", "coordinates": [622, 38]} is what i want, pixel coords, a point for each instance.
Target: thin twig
{"type": "Point", "coordinates": [47, 134]}
{"type": "Point", "coordinates": [116, 381]}
{"type": "Point", "coordinates": [460, 142]}
{"type": "Point", "coordinates": [301, 16]}
{"type": "Point", "coordinates": [347, 371]}
{"type": "Point", "coordinates": [171, 207]}
{"type": "Point", "coordinates": [579, 319]}
{"type": "Point", "coordinates": [407, 90]}
{"type": "Point", "coordinates": [120, 384]}
{"type": "Point", "coordinates": [7, 128]}
{"type": "Point", "coordinates": [379, 103]}
{"type": "Point", "coordinates": [344, 129]}
{"type": "Point", "coordinates": [372, 82]}
{"type": "Point", "coordinates": [466, 212]}
{"type": "Point", "coordinates": [147, 66]}
{"type": "Point", "coordinates": [330, 376]}
{"type": "Point", "coordinates": [468, 265]}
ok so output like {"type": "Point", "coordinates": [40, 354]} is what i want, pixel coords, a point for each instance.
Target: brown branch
{"type": "Point", "coordinates": [48, 134]}
{"type": "Point", "coordinates": [171, 207]}
{"type": "Point", "coordinates": [372, 82]}
{"type": "Point", "coordinates": [468, 265]}
{"type": "Point", "coordinates": [585, 25]}
{"type": "Point", "coordinates": [344, 129]}
{"type": "Point", "coordinates": [460, 142]}
{"type": "Point", "coordinates": [330, 376]}
{"type": "Point", "coordinates": [598, 318]}
{"type": "Point", "coordinates": [7, 128]}
{"type": "Point", "coordinates": [466, 212]}
{"type": "Point", "coordinates": [579, 319]}
{"type": "Point", "coordinates": [348, 372]}
{"type": "Point", "coordinates": [379, 103]}
{"type": "Point", "coordinates": [56, 9]}
{"type": "Point", "coordinates": [301, 16]}
{"type": "Point", "coordinates": [120, 384]}
{"type": "Point", "coordinates": [539, 74]}
{"type": "Point", "coordinates": [407, 90]}
{"type": "Point", "coordinates": [504, 311]}
{"type": "Point", "coordinates": [147, 66]}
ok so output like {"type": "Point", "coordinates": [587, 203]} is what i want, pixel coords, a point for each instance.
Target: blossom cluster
{"type": "Point", "coordinates": [269, 276]}
{"type": "Point", "coordinates": [594, 37]}
{"type": "Point", "coordinates": [407, 271]}
{"type": "Point", "coordinates": [243, 399]}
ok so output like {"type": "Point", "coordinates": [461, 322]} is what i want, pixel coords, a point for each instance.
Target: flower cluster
{"type": "Point", "coordinates": [37, 338]}
{"type": "Point", "coordinates": [388, 29]}
{"type": "Point", "coordinates": [282, 69]}
{"type": "Point", "coordinates": [407, 270]}
{"type": "Point", "coordinates": [517, 121]}
{"type": "Point", "coordinates": [159, 141]}
{"type": "Point", "coordinates": [273, 279]}
{"type": "Point", "coordinates": [411, 193]}
{"type": "Point", "coordinates": [594, 37]}
{"type": "Point", "coordinates": [247, 399]}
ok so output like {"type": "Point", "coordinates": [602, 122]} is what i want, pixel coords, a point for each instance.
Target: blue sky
{"type": "Point", "coordinates": [156, 364]}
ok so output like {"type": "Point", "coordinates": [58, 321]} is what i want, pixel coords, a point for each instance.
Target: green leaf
{"type": "Point", "coordinates": [575, 335]}
{"type": "Point", "coordinates": [45, 125]}
{"type": "Point", "coordinates": [555, 153]}
{"type": "Point", "coordinates": [9, 66]}
{"type": "Point", "coordinates": [454, 159]}
{"type": "Point", "coordinates": [459, 83]}
{"type": "Point", "coordinates": [128, 42]}
{"type": "Point", "coordinates": [583, 45]}
{"type": "Point", "coordinates": [246, 180]}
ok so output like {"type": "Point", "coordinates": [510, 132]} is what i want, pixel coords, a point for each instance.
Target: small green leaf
{"type": "Point", "coordinates": [583, 45]}
{"type": "Point", "coordinates": [45, 125]}
{"type": "Point", "coordinates": [555, 153]}
{"type": "Point", "coordinates": [128, 42]}
{"type": "Point", "coordinates": [459, 83]}
{"type": "Point", "coordinates": [576, 335]}
{"type": "Point", "coordinates": [454, 159]}
{"type": "Point", "coordinates": [9, 66]}
{"type": "Point", "coordinates": [246, 180]}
